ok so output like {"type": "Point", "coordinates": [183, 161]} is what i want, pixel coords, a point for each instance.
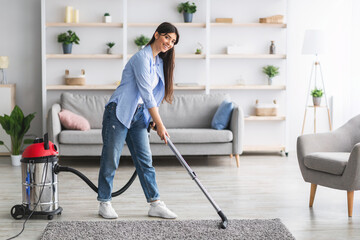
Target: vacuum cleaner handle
{"type": "Point", "coordinates": [46, 141]}
{"type": "Point", "coordinates": [224, 222]}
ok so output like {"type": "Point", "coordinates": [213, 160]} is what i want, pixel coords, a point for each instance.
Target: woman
{"type": "Point", "coordinates": [147, 80]}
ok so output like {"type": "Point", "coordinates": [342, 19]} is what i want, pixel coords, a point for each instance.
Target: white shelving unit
{"type": "Point", "coordinates": [205, 28]}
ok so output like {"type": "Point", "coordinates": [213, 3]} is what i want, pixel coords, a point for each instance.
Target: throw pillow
{"type": "Point", "coordinates": [73, 121]}
{"type": "Point", "coordinates": [222, 116]}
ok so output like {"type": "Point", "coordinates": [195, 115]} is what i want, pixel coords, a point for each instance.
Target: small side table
{"type": "Point", "coordinates": [315, 107]}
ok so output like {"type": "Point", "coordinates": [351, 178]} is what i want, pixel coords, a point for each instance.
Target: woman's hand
{"type": "Point", "coordinates": [161, 131]}
{"type": "Point", "coordinates": [160, 128]}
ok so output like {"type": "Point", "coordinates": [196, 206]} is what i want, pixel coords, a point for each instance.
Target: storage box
{"type": "Point", "coordinates": [266, 109]}
{"type": "Point", "coordinates": [75, 80]}
{"type": "Point", "coordinates": [223, 20]}
{"type": "Point", "coordinates": [272, 19]}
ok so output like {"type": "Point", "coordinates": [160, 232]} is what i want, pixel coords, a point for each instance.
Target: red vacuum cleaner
{"type": "Point", "coordinates": [40, 187]}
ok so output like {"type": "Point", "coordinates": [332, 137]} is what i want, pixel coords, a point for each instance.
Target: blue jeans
{"type": "Point", "coordinates": [114, 135]}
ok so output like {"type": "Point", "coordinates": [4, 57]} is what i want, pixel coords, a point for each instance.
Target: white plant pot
{"type": "Point", "coordinates": [15, 160]}
{"type": "Point", "coordinates": [107, 19]}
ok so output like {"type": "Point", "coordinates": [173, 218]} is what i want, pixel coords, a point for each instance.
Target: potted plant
{"type": "Point", "coordinates": [110, 45]}
{"type": "Point", "coordinates": [317, 95]}
{"type": "Point", "coordinates": [16, 125]}
{"type": "Point", "coordinates": [187, 9]}
{"type": "Point", "coordinates": [107, 18]}
{"type": "Point", "coordinates": [67, 39]}
{"type": "Point", "coordinates": [271, 71]}
{"type": "Point", "coordinates": [141, 41]}
{"type": "Point", "coordinates": [199, 49]}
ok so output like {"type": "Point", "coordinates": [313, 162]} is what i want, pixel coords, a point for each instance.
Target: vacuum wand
{"type": "Point", "coordinates": [224, 219]}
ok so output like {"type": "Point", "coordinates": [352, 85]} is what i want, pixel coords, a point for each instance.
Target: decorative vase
{"type": "Point", "coordinates": [107, 19]}
{"type": "Point", "coordinates": [317, 101]}
{"type": "Point", "coordinates": [188, 17]}
{"type": "Point", "coordinates": [109, 51]}
{"type": "Point", "coordinates": [67, 48]}
{"type": "Point", "coordinates": [270, 79]}
{"type": "Point", "coordinates": [15, 160]}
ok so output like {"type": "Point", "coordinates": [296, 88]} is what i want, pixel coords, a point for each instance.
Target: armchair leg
{"type": "Point", "coordinates": [231, 155]}
{"type": "Point", "coordinates": [237, 160]}
{"type": "Point", "coordinates": [312, 194]}
{"type": "Point", "coordinates": [350, 199]}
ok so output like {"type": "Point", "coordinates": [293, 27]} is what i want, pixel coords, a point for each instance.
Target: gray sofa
{"type": "Point", "coordinates": [187, 119]}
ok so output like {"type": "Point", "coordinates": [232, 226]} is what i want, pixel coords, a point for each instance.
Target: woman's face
{"type": "Point", "coordinates": [165, 42]}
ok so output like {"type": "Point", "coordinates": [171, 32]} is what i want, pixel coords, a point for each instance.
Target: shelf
{"type": "Point", "coordinates": [265, 118]}
{"type": "Point", "coordinates": [190, 56]}
{"type": "Point", "coordinates": [183, 56]}
{"type": "Point", "coordinates": [84, 87]}
{"type": "Point", "coordinates": [96, 24]}
{"type": "Point", "coordinates": [263, 148]}
{"type": "Point", "coordinates": [316, 106]}
{"type": "Point", "coordinates": [197, 87]}
{"type": "Point", "coordinates": [84, 56]}
{"type": "Point", "coordinates": [110, 87]}
{"type": "Point", "coordinates": [193, 25]}
{"type": "Point", "coordinates": [248, 87]}
{"type": "Point", "coordinates": [270, 25]}
{"type": "Point", "coordinates": [250, 56]}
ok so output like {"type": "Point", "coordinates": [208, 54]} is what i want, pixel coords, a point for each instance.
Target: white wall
{"type": "Point", "coordinates": [20, 40]}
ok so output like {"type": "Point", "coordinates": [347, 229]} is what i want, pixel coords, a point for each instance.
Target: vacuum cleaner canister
{"type": "Point", "coordinates": [39, 182]}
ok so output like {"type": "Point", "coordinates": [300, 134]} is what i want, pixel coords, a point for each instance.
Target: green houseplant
{"type": "Point", "coordinates": [141, 41]}
{"type": "Point", "coordinates": [16, 125]}
{"type": "Point", "coordinates": [317, 94]}
{"type": "Point", "coordinates": [187, 9]}
{"type": "Point", "coordinates": [271, 71]}
{"type": "Point", "coordinates": [67, 39]}
{"type": "Point", "coordinates": [107, 18]}
{"type": "Point", "coordinates": [110, 45]}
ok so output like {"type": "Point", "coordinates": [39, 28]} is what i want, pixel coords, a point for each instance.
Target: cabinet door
{"type": "Point", "coordinates": [7, 103]}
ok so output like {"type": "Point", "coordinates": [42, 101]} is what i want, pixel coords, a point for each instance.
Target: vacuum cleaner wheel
{"type": "Point", "coordinates": [18, 212]}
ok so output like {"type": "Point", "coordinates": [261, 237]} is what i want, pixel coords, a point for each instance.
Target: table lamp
{"type": "Point", "coordinates": [4, 63]}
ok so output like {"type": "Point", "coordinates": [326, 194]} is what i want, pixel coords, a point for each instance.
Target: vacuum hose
{"type": "Point", "coordinates": [58, 168]}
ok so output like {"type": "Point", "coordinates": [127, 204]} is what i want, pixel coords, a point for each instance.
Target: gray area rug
{"type": "Point", "coordinates": [167, 229]}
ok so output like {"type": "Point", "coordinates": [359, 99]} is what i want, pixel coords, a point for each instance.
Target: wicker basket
{"type": "Point", "coordinates": [272, 19]}
{"type": "Point", "coordinates": [75, 80]}
{"type": "Point", "coordinates": [266, 109]}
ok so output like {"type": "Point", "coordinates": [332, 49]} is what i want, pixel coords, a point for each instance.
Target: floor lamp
{"type": "Point", "coordinates": [314, 45]}
{"type": "Point", "coordinates": [4, 63]}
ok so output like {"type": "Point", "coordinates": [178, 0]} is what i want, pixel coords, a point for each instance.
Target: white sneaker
{"type": "Point", "coordinates": [107, 211]}
{"type": "Point", "coordinates": [159, 209]}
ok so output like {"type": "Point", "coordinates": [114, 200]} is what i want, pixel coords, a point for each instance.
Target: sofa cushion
{"type": "Point", "coordinates": [191, 111]}
{"type": "Point", "coordinates": [222, 116]}
{"type": "Point", "coordinates": [88, 106]}
{"type": "Point", "coordinates": [93, 136]}
{"type": "Point", "coordinates": [329, 162]}
{"type": "Point", "coordinates": [73, 121]}
{"type": "Point", "coordinates": [194, 135]}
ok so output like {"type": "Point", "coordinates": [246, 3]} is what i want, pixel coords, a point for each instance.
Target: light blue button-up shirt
{"type": "Point", "coordinates": [136, 82]}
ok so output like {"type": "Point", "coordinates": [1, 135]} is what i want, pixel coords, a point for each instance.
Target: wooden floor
{"type": "Point", "coordinates": [266, 186]}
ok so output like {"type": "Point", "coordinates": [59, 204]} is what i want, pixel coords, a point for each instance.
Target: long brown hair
{"type": "Point", "coordinates": [168, 58]}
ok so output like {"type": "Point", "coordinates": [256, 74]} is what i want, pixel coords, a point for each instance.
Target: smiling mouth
{"type": "Point", "coordinates": [166, 47]}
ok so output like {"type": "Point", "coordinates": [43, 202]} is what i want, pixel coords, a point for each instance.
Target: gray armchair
{"type": "Point", "coordinates": [332, 160]}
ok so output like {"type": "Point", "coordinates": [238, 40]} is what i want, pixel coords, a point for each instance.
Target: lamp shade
{"type": "Point", "coordinates": [4, 62]}
{"type": "Point", "coordinates": [314, 42]}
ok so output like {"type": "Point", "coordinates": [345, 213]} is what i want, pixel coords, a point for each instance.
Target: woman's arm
{"type": "Point", "coordinates": [161, 130]}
